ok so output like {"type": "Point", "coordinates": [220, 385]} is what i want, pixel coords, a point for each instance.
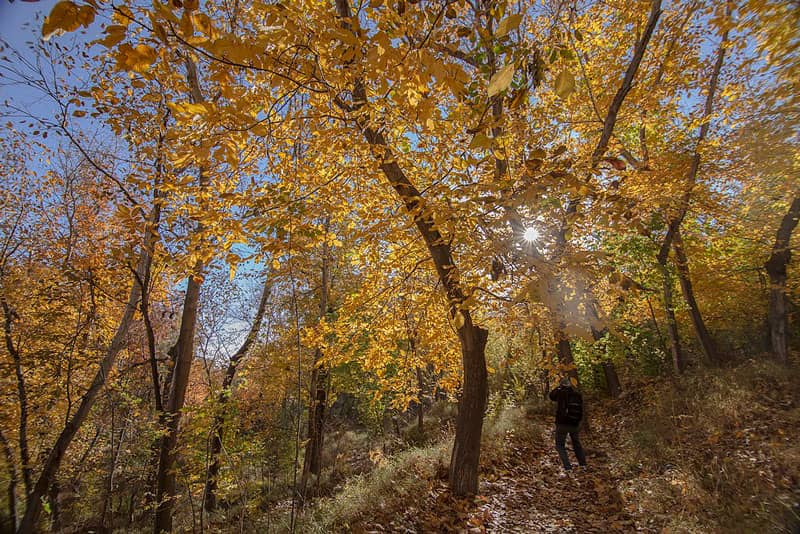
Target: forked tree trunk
{"type": "Point", "coordinates": [118, 342]}
{"type": "Point", "coordinates": [674, 224]}
{"type": "Point", "coordinates": [217, 427]}
{"type": "Point", "coordinates": [684, 277]}
{"type": "Point", "coordinates": [166, 474]}
{"type": "Point", "coordinates": [776, 269]}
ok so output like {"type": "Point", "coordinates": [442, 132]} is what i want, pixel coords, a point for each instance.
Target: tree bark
{"type": "Point", "coordinates": [312, 459]}
{"type": "Point", "coordinates": [684, 277]}
{"type": "Point", "coordinates": [420, 403]}
{"type": "Point", "coordinates": [613, 385]}
{"type": "Point", "coordinates": [776, 269]}
{"type": "Point", "coordinates": [13, 477]}
{"type": "Point", "coordinates": [217, 428]}
{"type": "Point", "coordinates": [463, 472]}
{"type": "Point", "coordinates": [22, 397]}
{"type": "Point", "coordinates": [166, 476]}
{"type": "Point", "coordinates": [118, 342]}
{"type": "Point", "coordinates": [678, 360]}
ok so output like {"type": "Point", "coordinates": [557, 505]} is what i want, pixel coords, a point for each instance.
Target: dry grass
{"type": "Point", "coordinates": [714, 451]}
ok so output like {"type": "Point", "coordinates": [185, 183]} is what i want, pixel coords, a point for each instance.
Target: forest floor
{"type": "Point", "coordinates": [715, 451]}
{"type": "Point", "coordinates": [522, 490]}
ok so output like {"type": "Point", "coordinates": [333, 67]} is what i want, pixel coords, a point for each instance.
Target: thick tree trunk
{"type": "Point", "coordinates": [469, 423]}
{"type": "Point", "coordinates": [465, 458]}
{"type": "Point", "coordinates": [13, 477]}
{"type": "Point", "coordinates": [312, 459]}
{"type": "Point", "coordinates": [776, 269]}
{"type": "Point", "coordinates": [684, 277]}
{"type": "Point", "coordinates": [217, 428]}
{"type": "Point", "coordinates": [118, 342]}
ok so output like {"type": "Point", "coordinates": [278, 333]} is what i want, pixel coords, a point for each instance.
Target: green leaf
{"type": "Point", "coordinates": [507, 25]}
{"type": "Point", "coordinates": [564, 84]}
{"type": "Point", "coordinates": [501, 80]}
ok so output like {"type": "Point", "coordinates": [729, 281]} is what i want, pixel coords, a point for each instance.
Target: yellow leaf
{"type": "Point", "coordinates": [276, 264]}
{"type": "Point", "coordinates": [114, 34]}
{"type": "Point", "coordinates": [501, 80]}
{"type": "Point", "coordinates": [507, 25]}
{"type": "Point", "coordinates": [564, 84]}
{"type": "Point", "coordinates": [65, 17]}
{"type": "Point", "coordinates": [136, 59]}
{"type": "Point", "coordinates": [481, 141]}
{"type": "Point", "coordinates": [203, 23]}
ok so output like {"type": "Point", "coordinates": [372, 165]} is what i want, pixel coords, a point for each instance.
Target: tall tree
{"type": "Point", "coordinates": [672, 236]}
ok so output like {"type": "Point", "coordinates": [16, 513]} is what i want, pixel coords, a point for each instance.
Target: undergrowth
{"type": "Point", "coordinates": [714, 450]}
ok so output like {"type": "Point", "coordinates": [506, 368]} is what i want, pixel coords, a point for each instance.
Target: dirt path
{"type": "Point", "coordinates": [531, 493]}
{"type": "Point", "coordinates": [524, 490]}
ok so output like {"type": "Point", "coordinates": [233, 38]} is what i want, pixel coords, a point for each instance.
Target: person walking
{"type": "Point", "coordinates": [569, 413]}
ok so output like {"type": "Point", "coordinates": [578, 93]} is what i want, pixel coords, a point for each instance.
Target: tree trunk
{"type": "Point", "coordinates": [678, 361]}
{"type": "Point", "coordinates": [707, 344]}
{"type": "Point", "coordinates": [165, 478]}
{"type": "Point", "coordinates": [217, 428]}
{"type": "Point", "coordinates": [420, 404]}
{"type": "Point", "coordinates": [612, 379]}
{"type": "Point", "coordinates": [613, 385]}
{"type": "Point", "coordinates": [312, 459]}
{"type": "Point", "coordinates": [312, 462]}
{"type": "Point", "coordinates": [22, 397]}
{"type": "Point", "coordinates": [118, 342]}
{"type": "Point", "coordinates": [13, 477]}
{"type": "Point", "coordinates": [776, 269]}
{"type": "Point", "coordinates": [166, 475]}
{"type": "Point", "coordinates": [465, 458]}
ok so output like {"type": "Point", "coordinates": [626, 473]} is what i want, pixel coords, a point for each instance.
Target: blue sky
{"type": "Point", "coordinates": [22, 21]}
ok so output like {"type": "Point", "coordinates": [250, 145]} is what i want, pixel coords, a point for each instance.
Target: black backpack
{"type": "Point", "coordinates": [573, 407]}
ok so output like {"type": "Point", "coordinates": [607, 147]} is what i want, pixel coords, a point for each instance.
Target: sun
{"type": "Point", "coordinates": [531, 234]}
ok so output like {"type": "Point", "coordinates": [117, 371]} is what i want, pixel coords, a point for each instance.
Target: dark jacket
{"type": "Point", "coordinates": [561, 395]}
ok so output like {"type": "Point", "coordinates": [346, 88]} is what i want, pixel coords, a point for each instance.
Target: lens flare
{"type": "Point", "coordinates": [531, 234]}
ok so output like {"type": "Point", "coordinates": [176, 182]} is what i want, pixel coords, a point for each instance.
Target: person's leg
{"type": "Point", "coordinates": [576, 445]}
{"type": "Point", "coordinates": [561, 440]}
